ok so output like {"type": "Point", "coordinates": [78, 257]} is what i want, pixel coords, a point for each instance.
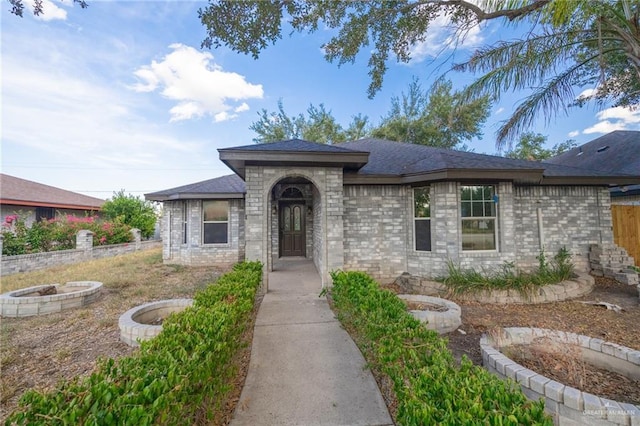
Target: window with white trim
{"type": "Point", "coordinates": [215, 222]}
{"type": "Point", "coordinates": [184, 222]}
{"type": "Point", "coordinates": [422, 218]}
{"type": "Point", "coordinates": [479, 220]}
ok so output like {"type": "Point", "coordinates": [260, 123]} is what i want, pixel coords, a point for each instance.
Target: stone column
{"type": "Point", "coordinates": [84, 242]}
{"type": "Point", "coordinates": [137, 237]}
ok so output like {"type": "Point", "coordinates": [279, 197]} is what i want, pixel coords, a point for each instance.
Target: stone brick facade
{"type": "Point", "coordinates": [326, 221]}
{"type": "Point", "coordinates": [371, 227]}
{"type": "Point", "coordinates": [194, 251]}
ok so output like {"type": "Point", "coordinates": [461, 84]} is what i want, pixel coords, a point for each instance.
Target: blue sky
{"type": "Point", "coordinates": [120, 95]}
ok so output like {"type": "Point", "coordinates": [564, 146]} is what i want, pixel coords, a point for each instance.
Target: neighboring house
{"type": "Point", "coordinates": [386, 208]}
{"type": "Point", "coordinates": [35, 201]}
{"type": "Point", "coordinates": [618, 152]}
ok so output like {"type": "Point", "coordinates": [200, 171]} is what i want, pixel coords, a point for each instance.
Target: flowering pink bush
{"type": "Point", "coordinates": [59, 233]}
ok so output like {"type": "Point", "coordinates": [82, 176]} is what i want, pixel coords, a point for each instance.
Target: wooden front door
{"type": "Point", "coordinates": [292, 232]}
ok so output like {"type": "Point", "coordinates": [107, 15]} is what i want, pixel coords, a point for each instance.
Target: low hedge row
{"type": "Point", "coordinates": [182, 376]}
{"type": "Point", "coordinates": [430, 387]}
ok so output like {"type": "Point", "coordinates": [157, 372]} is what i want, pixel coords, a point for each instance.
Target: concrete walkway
{"type": "Point", "coordinates": [305, 369]}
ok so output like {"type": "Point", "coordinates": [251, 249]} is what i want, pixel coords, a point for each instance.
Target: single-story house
{"type": "Point", "coordinates": [386, 208]}
{"type": "Point", "coordinates": [35, 201]}
{"type": "Point", "coordinates": [618, 151]}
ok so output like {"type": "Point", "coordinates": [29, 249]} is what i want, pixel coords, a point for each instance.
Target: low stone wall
{"type": "Point", "coordinates": [84, 251]}
{"type": "Point", "coordinates": [568, 405]}
{"type": "Point", "coordinates": [25, 302]}
{"type": "Point", "coordinates": [132, 324]}
{"type": "Point", "coordinates": [578, 286]}
{"type": "Point", "coordinates": [440, 321]}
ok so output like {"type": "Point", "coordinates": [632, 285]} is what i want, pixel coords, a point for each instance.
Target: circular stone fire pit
{"type": "Point", "coordinates": [567, 404]}
{"type": "Point", "coordinates": [145, 321]}
{"type": "Point", "coordinates": [48, 298]}
{"type": "Point", "coordinates": [440, 315]}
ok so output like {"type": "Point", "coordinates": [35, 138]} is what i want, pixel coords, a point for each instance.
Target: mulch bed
{"type": "Point", "coordinates": [568, 369]}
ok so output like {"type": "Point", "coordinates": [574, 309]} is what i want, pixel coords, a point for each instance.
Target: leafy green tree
{"type": "Point", "coordinates": [391, 27]}
{"type": "Point", "coordinates": [436, 119]}
{"type": "Point", "coordinates": [578, 43]}
{"type": "Point", "coordinates": [318, 126]}
{"type": "Point", "coordinates": [530, 146]}
{"type": "Point", "coordinates": [131, 210]}
{"type": "Point", "coordinates": [566, 44]}
{"type": "Point", "coordinates": [17, 6]}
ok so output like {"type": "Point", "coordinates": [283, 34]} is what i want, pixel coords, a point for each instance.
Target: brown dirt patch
{"type": "Point", "coordinates": [567, 367]}
{"type": "Point", "coordinates": [571, 316]}
{"type": "Point", "coordinates": [38, 352]}
{"type": "Point", "coordinates": [424, 306]}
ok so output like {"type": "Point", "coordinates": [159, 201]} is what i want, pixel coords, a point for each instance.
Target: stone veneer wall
{"type": "Point", "coordinates": [446, 234]}
{"type": "Point", "coordinates": [194, 252]}
{"type": "Point", "coordinates": [318, 229]}
{"type": "Point", "coordinates": [378, 228]}
{"type": "Point", "coordinates": [375, 229]}
{"type": "Point", "coordinates": [259, 182]}
{"type": "Point", "coordinates": [571, 216]}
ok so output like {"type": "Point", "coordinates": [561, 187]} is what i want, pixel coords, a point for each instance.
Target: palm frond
{"type": "Point", "coordinates": [554, 96]}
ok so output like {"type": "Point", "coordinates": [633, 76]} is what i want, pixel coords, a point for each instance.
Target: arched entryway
{"type": "Point", "coordinates": [292, 221]}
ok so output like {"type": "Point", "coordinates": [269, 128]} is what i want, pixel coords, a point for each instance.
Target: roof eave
{"type": "Point", "coordinates": [195, 196]}
{"type": "Point", "coordinates": [462, 175]}
{"type": "Point", "coordinates": [591, 180]}
{"type": "Point", "coordinates": [5, 201]}
{"type": "Point", "coordinates": [237, 160]}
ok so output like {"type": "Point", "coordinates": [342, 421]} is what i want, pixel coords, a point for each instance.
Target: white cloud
{"type": "Point", "coordinates": [573, 134]}
{"type": "Point", "coordinates": [616, 118]}
{"type": "Point", "coordinates": [442, 36]}
{"type": "Point", "coordinates": [242, 108]}
{"type": "Point", "coordinates": [50, 10]}
{"type": "Point", "coordinates": [198, 84]}
{"type": "Point", "coordinates": [499, 111]}
{"type": "Point", "coordinates": [587, 93]}
{"type": "Point", "coordinates": [625, 115]}
{"type": "Point", "coordinates": [604, 127]}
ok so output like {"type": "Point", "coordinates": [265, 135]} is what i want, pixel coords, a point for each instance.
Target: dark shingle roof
{"type": "Point", "coordinates": [291, 145]}
{"type": "Point", "coordinates": [16, 191]}
{"type": "Point", "coordinates": [229, 186]}
{"type": "Point", "coordinates": [397, 158]}
{"type": "Point", "coordinates": [382, 161]}
{"type": "Point", "coordinates": [617, 152]}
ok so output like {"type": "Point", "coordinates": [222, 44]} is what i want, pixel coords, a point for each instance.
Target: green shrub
{"type": "Point", "coordinates": [182, 376]}
{"type": "Point", "coordinates": [134, 211]}
{"type": "Point", "coordinates": [508, 278]}
{"type": "Point", "coordinates": [59, 233]}
{"type": "Point", "coordinates": [429, 386]}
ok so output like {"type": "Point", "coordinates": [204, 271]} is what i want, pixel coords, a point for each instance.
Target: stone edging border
{"type": "Point", "coordinates": [442, 322]}
{"type": "Point", "coordinates": [578, 286]}
{"type": "Point", "coordinates": [131, 331]}
{"type": "Point", "coordinates": [571, 405]}
{"type": "Point", "coordinates": [13, 305]}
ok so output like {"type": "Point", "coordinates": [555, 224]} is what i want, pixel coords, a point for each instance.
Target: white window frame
{"type": "Point", "coordinates": [185, 222]}
{"type": "Point", "coordinates": [413, 214]}
{"type": "Point", "coordinates": [216, 221]}
{"type": "Point", "coordinates": [469, 218]}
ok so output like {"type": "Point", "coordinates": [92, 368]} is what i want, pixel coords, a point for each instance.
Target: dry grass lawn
{"type": "Point", "coordinates": [37, 352]}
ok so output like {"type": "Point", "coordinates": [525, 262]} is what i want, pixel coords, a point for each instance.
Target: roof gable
{"type": "Point", "coordinates": [224, 187]}
{"type": "Point", "coordinates": [22, 192]}
{"type": "Point", "coordinates": [293, 152]}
